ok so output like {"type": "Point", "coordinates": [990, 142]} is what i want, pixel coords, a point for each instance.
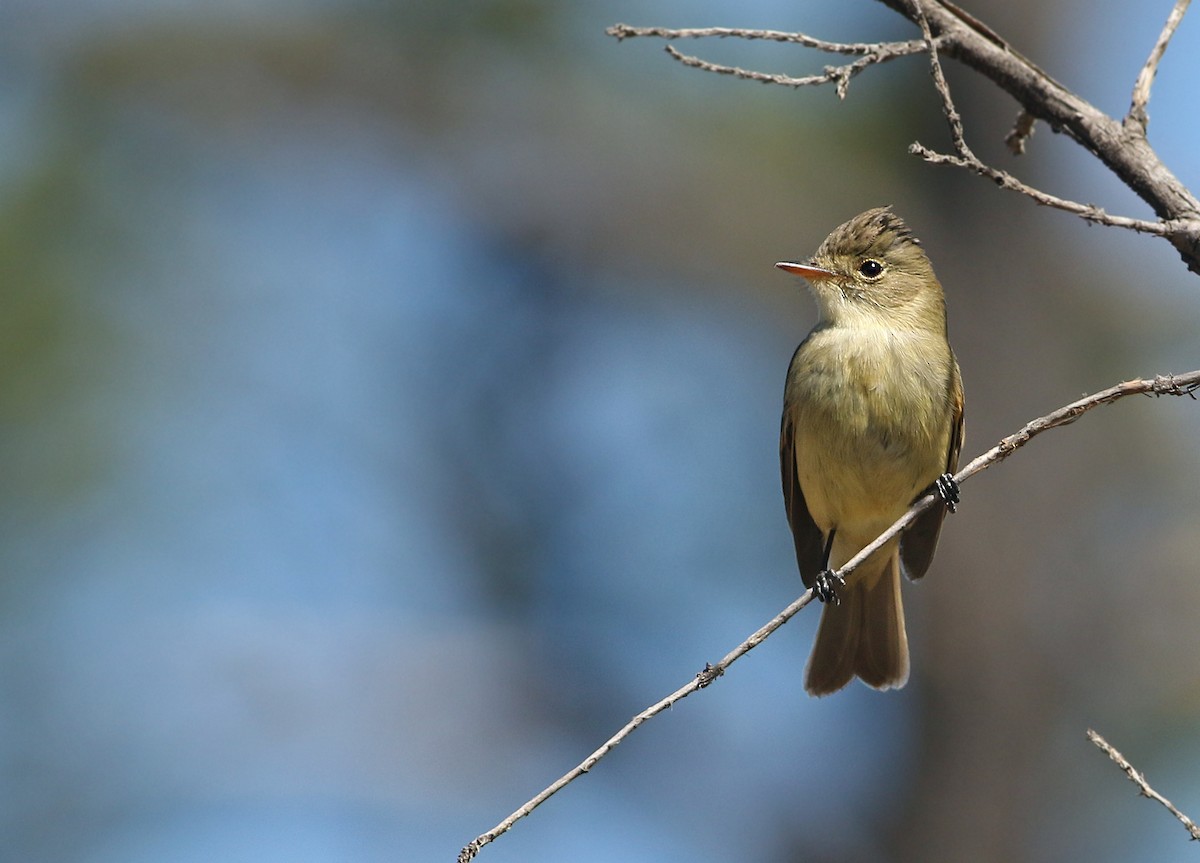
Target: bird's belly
{"type": "Point", "coordinates": [872, 429]}
{"type": "Point", "coordinates": [859, 486]}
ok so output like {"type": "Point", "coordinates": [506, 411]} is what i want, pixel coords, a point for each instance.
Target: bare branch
{"type": "Point", "coordinates": [870, 53]}
{"type": "Point", "coordinates": [1137, 115]}
{"type": "Point", "coordinates": [957, 135]}
{"type": "Point", "coordinates": [702, 679]}
{"type": "Point", "coordinates": [949, 30]}
{"type": "Point", "coordinates": [966, 157]}
{"type": "Point", "coordinates": [1022, 131]}
{"type": "Point", "coordinates": [1174, 385]}
{"type": "Point", "coordinates": [626, 31]}
{"type": "Point", "coordinates": [1123, 150]}
{"type": "Point", "coordinates": [1140, 781]}
{"type": "Point", "coordinates": [1089, 212]}
{"type": "Point", "coordinates": [839, 74]}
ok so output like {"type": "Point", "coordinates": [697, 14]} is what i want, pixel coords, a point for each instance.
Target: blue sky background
{"type": "Point", "coordinates": [390, 399]}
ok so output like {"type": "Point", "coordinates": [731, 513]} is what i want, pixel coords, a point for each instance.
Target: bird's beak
{"type": "Point", "coordinates": [808, 271]}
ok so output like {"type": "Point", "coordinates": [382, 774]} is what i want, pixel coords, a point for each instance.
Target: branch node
{"type": "Point", "coordinates": [1168, 385]}
{"type": "Point", "coordinates": [1021, 132]}
{"type": "Point", "coordinates": [1138, 117]}
{"type": "Point", "coordinates": [709, 674]}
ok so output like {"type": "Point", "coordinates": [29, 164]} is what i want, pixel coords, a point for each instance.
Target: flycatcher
{"type": "Point", "coordinates": [872, 419]}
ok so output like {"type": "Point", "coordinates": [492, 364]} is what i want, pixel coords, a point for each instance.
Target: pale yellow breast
{"type": "Point", "coordinates": [872, 424]}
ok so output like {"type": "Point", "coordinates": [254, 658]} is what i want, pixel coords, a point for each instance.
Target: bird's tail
{"type": "Point", "coordinates": [863, 636]}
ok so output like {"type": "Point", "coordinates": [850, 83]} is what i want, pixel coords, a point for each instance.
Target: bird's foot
{"type": "Point", "coordinates": [947, 489]}
{"type": "Point", "coordinates": [826, 585]}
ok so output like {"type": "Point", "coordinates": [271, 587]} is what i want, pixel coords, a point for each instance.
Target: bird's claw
{"type": "Point", "coordinates": [947, 489]}
{"type": "Point", "coordinates": [826, 585]}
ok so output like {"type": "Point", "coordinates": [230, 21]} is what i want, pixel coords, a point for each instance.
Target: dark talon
{"type": "Point", "coordinates": [825, 586]}
{"type": "Point", "coordinates": [947, 490]}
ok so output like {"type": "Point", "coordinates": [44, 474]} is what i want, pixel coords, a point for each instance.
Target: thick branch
{"type": "Point", "coordinates": [1123, 149]}
{"type": "Point", "coordinates": [966, 157]}
{"type": "Point", "coordinates": [1174, 385]}
{"type": "Point", "coordinates": [1120, 145]}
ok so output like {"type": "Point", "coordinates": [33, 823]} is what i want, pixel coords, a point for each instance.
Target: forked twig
{"type": "Point", "coordinates": [869, 53]}
{"type": "Point", "coordinates": [1003, 179]}
{"type": "Point", "coordinates": [966, 157]}
{"type": "Point", "coordinates": [945, 28]}
{"type": "Point", "coordinates": [840, 75]}
{"type": "Point", "coordinates": [1141, 90]}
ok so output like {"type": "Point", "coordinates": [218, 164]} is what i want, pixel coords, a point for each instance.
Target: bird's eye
{"type": "Point", "coordinates": [870, 269]}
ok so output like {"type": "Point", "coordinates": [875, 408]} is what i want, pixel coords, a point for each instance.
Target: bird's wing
{"type": "Point", "coordinates": [807, 536]}
{"type": "Point", "coordinates": [919, 542]}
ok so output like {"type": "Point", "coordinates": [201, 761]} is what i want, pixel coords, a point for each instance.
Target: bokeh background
{"type": "Point", "coordinates": [389, 407]}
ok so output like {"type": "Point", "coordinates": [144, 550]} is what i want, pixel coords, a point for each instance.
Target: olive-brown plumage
{"type": "Point", "coordinates": [872, 416]}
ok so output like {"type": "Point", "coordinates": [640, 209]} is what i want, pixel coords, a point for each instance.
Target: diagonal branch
{"type": "Point", "coordinates": [966, 157]}
{"type": "Point", "coordinates": [1139, 780]}
{"type": "Point", "coordinates": [1173, 385]}
{"type": "Point", "coordinates": [1123, 149]}
{"type": "Point", "coordinates": [1141, 90]}
{"type": "Point", "coordinates": [950, 31]}
{"type": "Point", "coordinates": [957, 135]}
{"type": "Point", "coordinates": [1005, 180]}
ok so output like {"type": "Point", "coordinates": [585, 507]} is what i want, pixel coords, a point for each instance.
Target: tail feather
{"type": "Point", "coordinates": [863, 636]}
{"type": "Point", "coordinates": [831, 665]}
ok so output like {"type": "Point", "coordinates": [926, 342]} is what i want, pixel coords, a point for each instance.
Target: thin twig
{"type": "Point", "coordinates": [1139, 780]}
{"type": "Point", "coordinates": [1005, 180]}
{"type": "Point", "coordinates": [1141, 90]}
{"type": "Point", "coordinates": [840, 74]}
{"type": "Point", "coordinates": [953, 118]}
{"type": "Point", "coordinates": [951, 31]}
{"type": "Point", "coordinates": [966, 157]}
{"type": "Point", "coordinates": [1174, 385]}
{"type": "Point", "coordinates": [869, 53]}
{"type": "Point", "coordinates": [1129, 156]}
{"type": "Point", "coordinates": [626, 31]}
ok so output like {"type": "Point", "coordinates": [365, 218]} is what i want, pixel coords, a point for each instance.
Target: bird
{"type": "Point", "coordinates": [872, 420]}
